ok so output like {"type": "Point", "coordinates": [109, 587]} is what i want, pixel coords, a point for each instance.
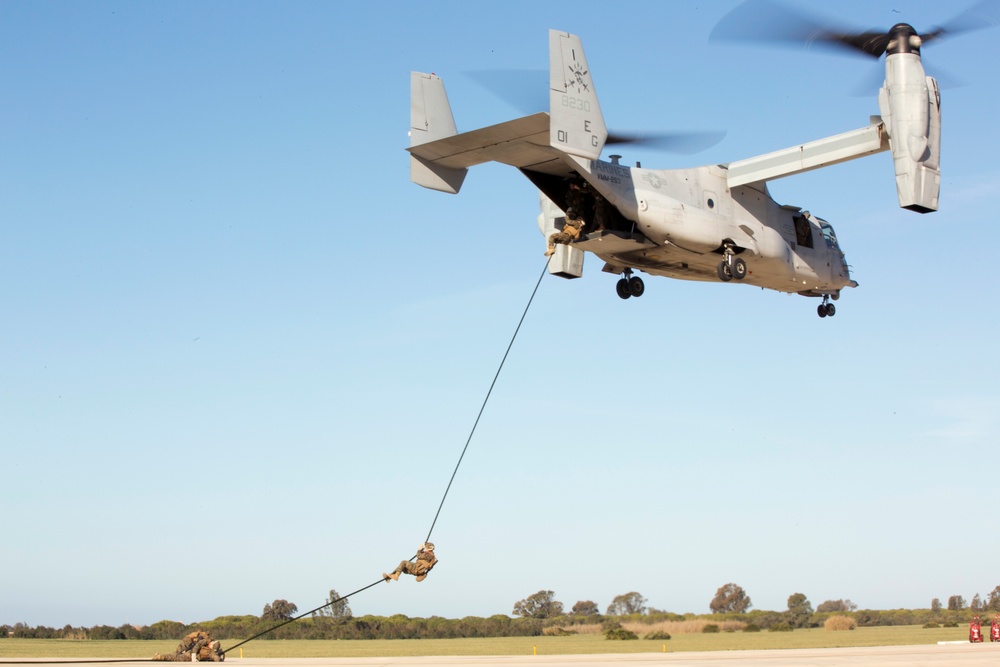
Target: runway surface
{"type": "Point", "coordinates": [936, 655]}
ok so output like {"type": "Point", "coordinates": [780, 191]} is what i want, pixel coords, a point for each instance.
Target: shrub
{"type": "Point", "coordinates": [950, 624]}
{"type": "Point", "coordinates": [931, 624]}
{"type": "Point", "coordinates": [620, 633]}
{"type": "Point", "coordinates": [751, 628]}
{"type": "Point", "coordinates": [711, 627]}
{"type": "Point", "coordinates": [840, 623]}
{"type": "Point", "coordinates": [659, 635]}
{"type": "Point", "coordinates": [780, 627]}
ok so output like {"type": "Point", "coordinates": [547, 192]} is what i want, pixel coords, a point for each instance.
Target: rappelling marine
{"type": "Point", "coordinates": [425, 562]}
{"type": "Point", "coordinates": [195, 647]}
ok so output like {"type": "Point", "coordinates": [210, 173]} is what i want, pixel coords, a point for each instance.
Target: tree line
{"type": "Point", "coordinates": [531, 616]}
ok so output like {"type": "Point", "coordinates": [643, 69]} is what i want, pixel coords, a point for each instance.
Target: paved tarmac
{"type": "Point", "coordinates": [935, 655]}
{"type": "Point", "coordinates": [939, 655]}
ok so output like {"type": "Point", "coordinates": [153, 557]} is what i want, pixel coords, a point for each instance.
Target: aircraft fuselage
{"type": "Point", "coordinates": [682, 221]}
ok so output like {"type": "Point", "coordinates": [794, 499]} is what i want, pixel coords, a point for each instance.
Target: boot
{"type": "Point", "coordinates": [550, 251]}
{"type": "Point", "coordinates": [395, 576]}
{"type": "Point", "coordinates": [421, 577]}
{"type": "Point", "coordinates": [386, 577]}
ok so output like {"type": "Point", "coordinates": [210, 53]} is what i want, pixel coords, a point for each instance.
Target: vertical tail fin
{"type": "Point", "coordinates": [576, 126]}
{"type": "Point", "coordinates": [431, 119]}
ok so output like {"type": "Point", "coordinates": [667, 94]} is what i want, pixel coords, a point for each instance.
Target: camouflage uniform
{"type": "Point", "coordinates": [197, 643]}
{"type": "Point", "coordinates": [211, 653]}
{"type": "Point", "coordinates": [571, 232]}
{"type": "Point", "coordinates": [426, 560]}
{"type": "Point", "coordinates": [173, 657]}
{"type": "Point", "coordinates": [574, 221]}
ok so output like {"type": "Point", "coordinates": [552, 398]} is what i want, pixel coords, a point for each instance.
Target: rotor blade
{"type": "Point", "coordinates": [983, 14]}
{"type": "Point", "coordinates": [527, 90]}
{"type": "Point", "coordinates": [685, 143]}
{"type": "Point", "coordinates": [765, 21]}
{"type": "Point", "coordinates": [870, 42]}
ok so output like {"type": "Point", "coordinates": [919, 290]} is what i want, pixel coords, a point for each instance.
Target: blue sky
{"type": "Point", "coordinates": [241, 352]}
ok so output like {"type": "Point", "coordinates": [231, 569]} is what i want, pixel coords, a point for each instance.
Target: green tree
{"type": "Point", "coordinates": [993, 602]}
{"type": "Point", "coordinates": [956, 603]}
{"type": "Point", "coordinates": [730, 599]}
{"type": "Point", "coordinates": [279, 610]}
{"type": "Point", "coordinates": [799, 610]}
{"type": "Point", "coordinates": [540, 605]}
{"type": "Point", "coordinates": [977, 603]}
{"type": "Point", "coordinates": [629, 603]}
{"type": "Point", "coordinates": [336, 610]}
{"type": "Point", "coordinates": [935, 605]}
{"type": "Point", "coordinates": [585, 608]}
{"type": "Point", "coordinates": [836, 606]}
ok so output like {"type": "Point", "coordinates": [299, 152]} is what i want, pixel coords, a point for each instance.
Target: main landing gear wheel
{"type": "Point", "coordinates": [738, 269]}
{"type": "Point", "coordinates": [636, 287]}
{"type": "Point", "coordinates": [724, 271]}
{"type": "Point", "coordinates": [630, 285]}
{"type": "Point", "coordinates": [826, 309]}
{"type": "Point", "coordinates": [731, 267]}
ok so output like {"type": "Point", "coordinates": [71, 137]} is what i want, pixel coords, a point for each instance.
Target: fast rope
{"type": "Point", "coordinates": [485, 400]}
{"type": "Point", "coordinates": [447, 489]}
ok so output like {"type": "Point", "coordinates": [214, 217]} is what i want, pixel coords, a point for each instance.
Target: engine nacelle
{"type": "Point", "coordinates": [910, 104]}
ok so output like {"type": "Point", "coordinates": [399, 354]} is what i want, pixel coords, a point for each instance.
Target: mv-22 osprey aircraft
{"type": "Point", "coordinates": [710, 223]}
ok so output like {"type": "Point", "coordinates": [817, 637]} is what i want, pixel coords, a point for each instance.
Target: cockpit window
{"type": "Point", "coordinates": [828, 234]}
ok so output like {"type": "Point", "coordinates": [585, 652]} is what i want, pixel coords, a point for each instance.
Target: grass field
{"type": "Point", "coordinates": [575, 644]}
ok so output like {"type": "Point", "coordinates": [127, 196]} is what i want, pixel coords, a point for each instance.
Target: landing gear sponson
{"type": "Point", "coordinates": [630, 285]}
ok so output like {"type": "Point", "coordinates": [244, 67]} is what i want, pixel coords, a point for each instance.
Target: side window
{"type": "Point", "coordinates": [803, 232]}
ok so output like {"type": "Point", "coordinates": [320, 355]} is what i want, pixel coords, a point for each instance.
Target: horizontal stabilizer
{"type": "Point", "coordinates": [521, 143]}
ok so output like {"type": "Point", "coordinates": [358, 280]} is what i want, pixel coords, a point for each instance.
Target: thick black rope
{"type": "Point", "coordinates": [485, 400]}
{"type": "Point", "coordinates": [70, 661]}
{"type": "Point", "coordinates": [436, 514]}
